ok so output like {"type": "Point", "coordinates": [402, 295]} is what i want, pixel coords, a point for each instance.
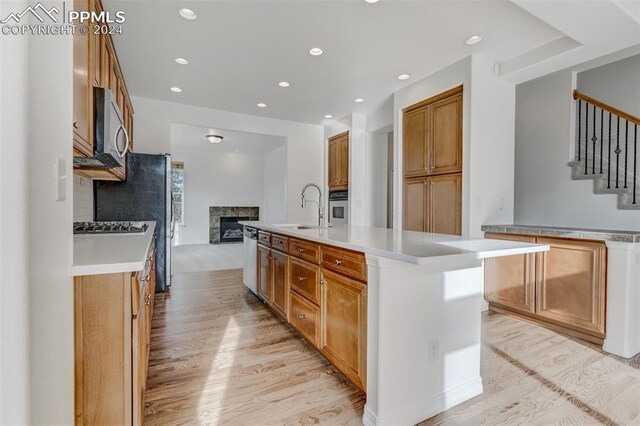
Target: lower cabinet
{"type": "Point", "coordinates": [264, 273]}
{"type": "Point", "coordinates": [304, 316]}
{"type": "Point", "coordinates": [564, 288]}
{"type": "Point", "coordinates": [344, 325]}
{"type": "Point", "coordinates": [112, 338]}
{"type": "Point", "coordinates": [280, 283]}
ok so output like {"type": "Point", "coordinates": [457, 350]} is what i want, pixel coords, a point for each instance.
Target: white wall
{"type": "Point", "coordinates": [304, 141]}
{"type": "Point", "coordinates": [275, 190]}
{"type": "Point", "coordinates": [36, 243]}
{"type": "Point", "coordinates": [545, 194]}
{"type": "Point", "coordinates": [376, 182]}
{"type": "Point", "coordinates": [216, 179]}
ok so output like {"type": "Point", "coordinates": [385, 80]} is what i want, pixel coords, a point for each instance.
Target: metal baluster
{"type": "Point", "coordinates": [626, 149]}
{"type": "Point", "coordinates": [586, 139]}
{"type": "Point", "coordinates": [579, 124]}
{"type": "Point", "coordinates": [618, 151]}
{"type": "Point", "coordinates": [609, 157]}
{"type": "Point", "coordinates": [601, 137]}
{"type": "Point", "coordinates": [594, 139]}
{"type": "Point", "coordinates": [635, 161]}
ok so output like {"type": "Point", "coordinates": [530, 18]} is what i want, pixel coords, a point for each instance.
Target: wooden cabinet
{"type": "Point", "coordinates": [434, 204]}
{"type": "Point", "coordinates": [571, 284]}
{"type": "Point", "coordinates": [280, 283]}
{"type": "Point", "coordinates": [305, 317]}
{"type": "Point", "coordinates": [112, 316]}
{"type": "Point", "coordinates": [304, 279]}
{"type": "Point", "coordinates": [339, 162]}
{"type": "Point", "coordinates": [564, 288]}
{"type": "Point", "coordinates": [264, 273]}
{"type": "Point", "coordinates": [509, 281]}
{"type": "Point", "coordinates": [95, 64]}
{"type": "Point", "coordinates": [432, 145]}
{"type": "Point", "coordinates": [343, 316]}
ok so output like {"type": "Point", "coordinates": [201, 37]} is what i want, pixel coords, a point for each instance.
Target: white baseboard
{"type": "Point", "coordinates": [426, 408]}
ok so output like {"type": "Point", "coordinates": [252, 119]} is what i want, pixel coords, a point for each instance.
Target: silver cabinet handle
{"type": "Point", "coordinates": [301, 250]}
{"type": "Point", "coordinates": [301, 317]}
{"type": "Point", "coordinates": [338, 262]}
{"type": "Point", "coordinates": [147, 299]}
{"type": "Point", "coordinates": [301, 278]}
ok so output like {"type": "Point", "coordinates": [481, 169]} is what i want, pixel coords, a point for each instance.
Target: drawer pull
{"type": "Point", "coordinates": [322, 282]}
{"type": "Point", "coordinates": [147, 299]}
{"type": "Point", "coordinates": [301, 250]}
{"type": "Point", "coordinates": [338, 262]}
{"type": "Point", "coordinates": [301, 317]}
{"type": "Point", "coordinates": [301, 278]}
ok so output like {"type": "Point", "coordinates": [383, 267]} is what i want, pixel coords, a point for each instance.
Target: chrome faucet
{"type": "Point", "coordinates": [319, 202]}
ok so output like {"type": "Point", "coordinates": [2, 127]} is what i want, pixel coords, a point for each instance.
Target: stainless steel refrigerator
{"type": "Point", "coordinates": [144, 195]}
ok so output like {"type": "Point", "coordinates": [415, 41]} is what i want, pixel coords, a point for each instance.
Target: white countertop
{"type": "Point", "coordinates": [407, 246]}
{"type": "Point", "coordinates": [111, 253]}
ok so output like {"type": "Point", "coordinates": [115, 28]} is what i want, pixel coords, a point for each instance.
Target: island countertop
{"type": "Point", "coordinates": [406, 246]}
{"type": "Point", "coordinates": [566, 232]}
{"type": "Point", "coordinates": [95, 254]}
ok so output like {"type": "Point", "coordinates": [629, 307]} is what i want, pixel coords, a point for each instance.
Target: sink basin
{"type": "Point", "coordinates": [296, 226]}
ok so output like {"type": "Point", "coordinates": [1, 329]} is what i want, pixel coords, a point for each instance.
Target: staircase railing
{"type": "Point", "coordinates": [599, 145]}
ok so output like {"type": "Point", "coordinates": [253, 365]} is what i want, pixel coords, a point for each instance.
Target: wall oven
{"type": "Point", "coordinates": [339, 208]}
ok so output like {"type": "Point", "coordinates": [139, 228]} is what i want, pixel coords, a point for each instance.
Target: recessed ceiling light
{"type": "Point", "coordinates": [284, 84]}
{"type": "Point", "coordinates": [473, 40]}
{"type": "Point", "coordinates": [328, 116]}
{"type": "Point", "coordinates": [371, 1]}
{"type": "Point", "coordinates": [187, 14]}
{"type": "Point", "coordinates": [358, 100]}
{"type": "Point", "coordinates": [176, 89]}
{"type": "Point", "coordinates": [315, 51]}
{"type": "Point", "coordinates": [181, 61]}
{"type": "Point", "coordinates": [404, 77]}
{"type": "Point", "coordinates": [261, 105]}
{"type": "Point", "coordinates": [214, 138]}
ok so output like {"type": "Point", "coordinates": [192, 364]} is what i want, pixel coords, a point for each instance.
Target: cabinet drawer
{"type": "Point", "coordinates": [304, 278]}
{"type": "Point", "coordinates": [305, 250]}
{"type": "Point", "coordinates": [264, 238]}
{"type": "Point", "coordinates": [304, 316]}
{"type": "Point", "coordinates": [345, 262]}
{"type": "Point", "coordinates": [279, 242]}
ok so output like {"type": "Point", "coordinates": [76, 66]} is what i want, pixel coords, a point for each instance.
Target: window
{"type": "Point", "coordinates": [177, 191]}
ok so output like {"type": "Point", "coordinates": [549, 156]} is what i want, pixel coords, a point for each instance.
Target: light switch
{"type": "Point", "coordinates": [60, 179]}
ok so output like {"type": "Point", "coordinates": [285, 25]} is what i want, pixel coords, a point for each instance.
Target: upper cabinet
{"type": "Point", "coordinates": [339, 162]}
{"type": "Point", "coordinates": [95, 64]}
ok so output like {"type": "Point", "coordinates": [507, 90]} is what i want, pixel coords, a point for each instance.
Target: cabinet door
{"type": "Point", "coordinates": [509, 281]}
{"type": "Point", "coordinates": [280, 283]}
{"type": "Point", "coordinates": [415, 197]}
{"type": "Point", "coordinates": [82, 88]}
{"type": "Point", "coordinates": [96, 50]}
{"type": "Point", "coordinates": [344, 329]}
{"type": "Point", "coordinates": [343, 168]}
{"type": "Point", "coordinates": [264, 273]}
{"type": "Point", "coordinates": [334, 149]}
{"type": "Point", "coordinates": [445, 139]}
{"type": "Point", "coordinates": [139, 358]}
{"type": "Point", "coordinates": [571, 284]}
{"type": "Point", "coordinates": [415, 131]}
{"type": "Point", "coordinates": [444, 204]}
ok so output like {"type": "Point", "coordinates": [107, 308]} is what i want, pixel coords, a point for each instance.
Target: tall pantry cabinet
{"type": "Point", "coordinates": [432, 172]}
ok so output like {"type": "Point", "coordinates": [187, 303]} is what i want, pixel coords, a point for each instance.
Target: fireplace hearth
{"type": "Point", "coordinates": [223, 223]}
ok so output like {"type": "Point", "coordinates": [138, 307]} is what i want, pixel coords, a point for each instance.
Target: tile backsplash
{"type": "Point", "coordinates": [82, 199]}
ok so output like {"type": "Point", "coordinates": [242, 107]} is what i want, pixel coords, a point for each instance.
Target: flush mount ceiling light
{"type": "Point", "coordinates": [284, 84]}
{"type": "Point", "coordinates": [261, 105]}
{"type": "Point", "coordinates": [371, 1]}
{"type": "Point", "coordinates": [404, 77]}
{"type": "Point", "coordinates": [473, 40]}
{"type": "Point", "coordinates": [328, 116]}
{"type": "Point", "coordinates": [176, 89]}
{"type": "Point", "coordinates": [214, 138]}
{"type": "Point", "coordinates": [181, 61]}
{"type": "Point", "coordinates": [187, 14]}
{"type": "Point", "coordinates": [315, 51]}
{"type": "Point", "coordinates": [358, 100]}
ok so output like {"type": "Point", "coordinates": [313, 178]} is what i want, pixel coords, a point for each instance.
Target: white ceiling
{"type": "Point", "coordinates": [239, 50]}
{"type": "Point", "coordinates": [192, 138]}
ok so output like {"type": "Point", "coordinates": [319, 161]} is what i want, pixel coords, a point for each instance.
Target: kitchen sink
{"type": "Point", "coordinates": [296, 226]}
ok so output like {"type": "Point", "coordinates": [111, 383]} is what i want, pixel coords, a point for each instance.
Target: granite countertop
{"type": "Point", "coordinates": [406, 246]}
{"type": "Point", "coordinates": [95, 254]}
{"type": "Point", "coordinates": [554, 231]}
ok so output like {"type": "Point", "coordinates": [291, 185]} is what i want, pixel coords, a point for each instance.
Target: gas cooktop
{"type": "Point", "coordinates": [109, 227]}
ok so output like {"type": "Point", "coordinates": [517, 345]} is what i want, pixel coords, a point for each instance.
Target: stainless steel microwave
{"type": "Point", "coordinates": [111, 141]}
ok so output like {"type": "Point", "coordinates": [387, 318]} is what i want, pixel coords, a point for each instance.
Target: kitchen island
{"type": "Point", "coordinates": [422, 296]}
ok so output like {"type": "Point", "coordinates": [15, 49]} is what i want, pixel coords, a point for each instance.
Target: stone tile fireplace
{"type": "Point", "coordinates": [223, 222]}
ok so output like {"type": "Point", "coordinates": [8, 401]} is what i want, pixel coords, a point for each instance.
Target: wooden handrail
{"type": "Point", "coordinates": [609, 108]}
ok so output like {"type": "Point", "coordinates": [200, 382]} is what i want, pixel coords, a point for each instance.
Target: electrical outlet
{"type": "Point", "coordinates": [434, 349]}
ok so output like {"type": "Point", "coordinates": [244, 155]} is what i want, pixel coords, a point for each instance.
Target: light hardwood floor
{"type": "Point", "coordinates": [206, 257]}
{"type": "Point", "coordinates": [218, 356]}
